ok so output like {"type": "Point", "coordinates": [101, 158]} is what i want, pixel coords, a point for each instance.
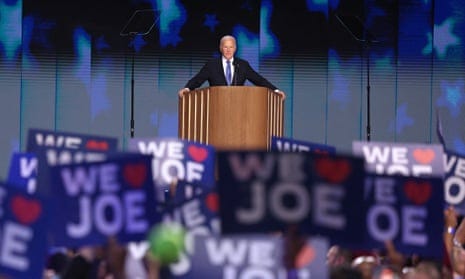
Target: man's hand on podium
{"type": "Point", "coordinates": [182, 92]}
{"type": "Point", "coordinates": [279, 92]}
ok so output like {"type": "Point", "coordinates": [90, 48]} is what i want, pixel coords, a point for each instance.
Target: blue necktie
{"type": "Point", "coordinates": [228, 72]}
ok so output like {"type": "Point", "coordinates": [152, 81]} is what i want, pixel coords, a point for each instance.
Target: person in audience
{"type": "Point", "coordinates": [366, 265]}
{"type": "Point", "coordinates": [337, 256]}
{"type": "Point", "coordinates": [56, 262]}
{"type": "Point", "coordinates": [385, 272]}
{"type": "Point", "coordinates": [81, 264]}
{"type": "Point", "coordinates": [396, 259]}
{"type": "Point", "coordinates": [424, 270]}
{"type": "Point", "coordinates": [112, 262]}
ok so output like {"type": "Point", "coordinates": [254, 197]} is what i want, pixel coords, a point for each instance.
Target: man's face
{"type": "Point", "coordinates": [228, 48]}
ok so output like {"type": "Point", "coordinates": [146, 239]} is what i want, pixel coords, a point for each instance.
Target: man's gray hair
{"type": "Point", "coordinates": [226, 38]}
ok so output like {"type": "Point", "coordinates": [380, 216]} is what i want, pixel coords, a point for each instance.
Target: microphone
{"type": "Point", "coordinates": [236, 66]}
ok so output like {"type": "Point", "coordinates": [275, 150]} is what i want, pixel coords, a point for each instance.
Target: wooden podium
{"type": "Point", "coordinates": [231, 117]}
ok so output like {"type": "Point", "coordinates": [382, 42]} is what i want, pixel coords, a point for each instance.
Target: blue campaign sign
{"type": "Point", "coordinates": [406, 210]}
{"type": "Point", "coordinates": [408, 159]}
{"type": "Point", "coordinates": [23, 171]}
{"type": "Point", "coordinates": [454, 180]}
{"type": "Point", "coordinates": [58, 147]}
{"type": "Point", "coordinates": [255, 256]}
{"type": "Point", "coordinates": [268, 191]}
{"type": "Point", "coordinates": [197, 213]}
{"type": "Point", "coordinates": [197, 216]}
{"type": "Point", "coordinates": [23, 227]}
{"type": "Point", "coordinates": [102, 199]}
{"type": "Point", "coordinates": [289, 144]}
{"type": "Point", "coordinates": [52, 156]}
{"type": "Point", "coordinates": [41, 138]}
{"type": "Point", "coordinates": [175, 159]}
{"type": "Point", "coordinates": [185, 191]}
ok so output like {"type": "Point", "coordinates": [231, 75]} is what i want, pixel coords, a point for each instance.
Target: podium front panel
{"type": "Point", "coordinates": [231, 117]}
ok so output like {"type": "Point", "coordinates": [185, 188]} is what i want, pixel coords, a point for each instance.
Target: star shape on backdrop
{"type": "Point", "coordinates": [95, 87]}
{"type": "Point", "coordinates": [98, 99]}
{"type": "Point", "coordinates": [38, 30]}
{"type": "Point", "coordinates": [429, 46]}
{"type": "Point", "coordinates": [83, 53]}
{"type": "Point", "coordinates": [211, 21]}
{"type": "Point", "coordinates": [10, 28]}
{"type": "Point", "coordinates": [171, 21]}
{"type": "Point", "coordinates": [452, 96]}
{"type": "Point", "coordinates": [443, 39]}
{"type": "Point", "coordinates": [101, 44]}
{"type": "Point", "coordinates": [402, 120]}
{"type": "Point", "coordinates": [341, 92]}
{"type": "Point", "coordinates": [318, 6]}
{"type": "Point", "coordinates": [269, 45]}
{"type": "Point", "coordinates": [137, 43]}
{"type": "Point", "coordinates": [249, 43]}
{"type": "Point", "coordinates": [28, 27]}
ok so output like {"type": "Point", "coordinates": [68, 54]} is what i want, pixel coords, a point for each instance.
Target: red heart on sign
{"type": "Point", "coordinates": [135, 174]}
{"type": "Point", "coordinates": [333, 170]}
{"type": "Point", "coordinates": [423, 156]}
{"type": "Point", "coordinates": [199, 154]}
{"type": "Point", "coordinates": [418, 193]}
{"type": "Point", "coordinates": [211, 200]}
{"type": "Point", "coordinates": [97, 145]}
{"type": "Point", "coordinates": [26, 210]}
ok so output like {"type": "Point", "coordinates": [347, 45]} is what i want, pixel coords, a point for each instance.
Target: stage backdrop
{"type": "Point", "coordinates": [65, 66]}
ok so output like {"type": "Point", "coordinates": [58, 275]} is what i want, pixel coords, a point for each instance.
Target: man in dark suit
{"type": "Point", "coordinates": [227, 70]}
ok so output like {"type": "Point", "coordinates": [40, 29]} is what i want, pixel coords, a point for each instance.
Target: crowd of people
{"type": "Point", "coordinates": [392, 264]}
{"type": "Point", "coordinates": [114, 261]}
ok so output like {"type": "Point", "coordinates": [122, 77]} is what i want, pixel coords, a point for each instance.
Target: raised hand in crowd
{"type": "Point", "coordinates": [454, 242]}
{"type": "Point", "coordinates": [450, 225]}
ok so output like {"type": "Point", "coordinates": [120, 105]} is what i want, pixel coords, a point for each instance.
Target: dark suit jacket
{"type": "Point", "coordinates": [214, 73]}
